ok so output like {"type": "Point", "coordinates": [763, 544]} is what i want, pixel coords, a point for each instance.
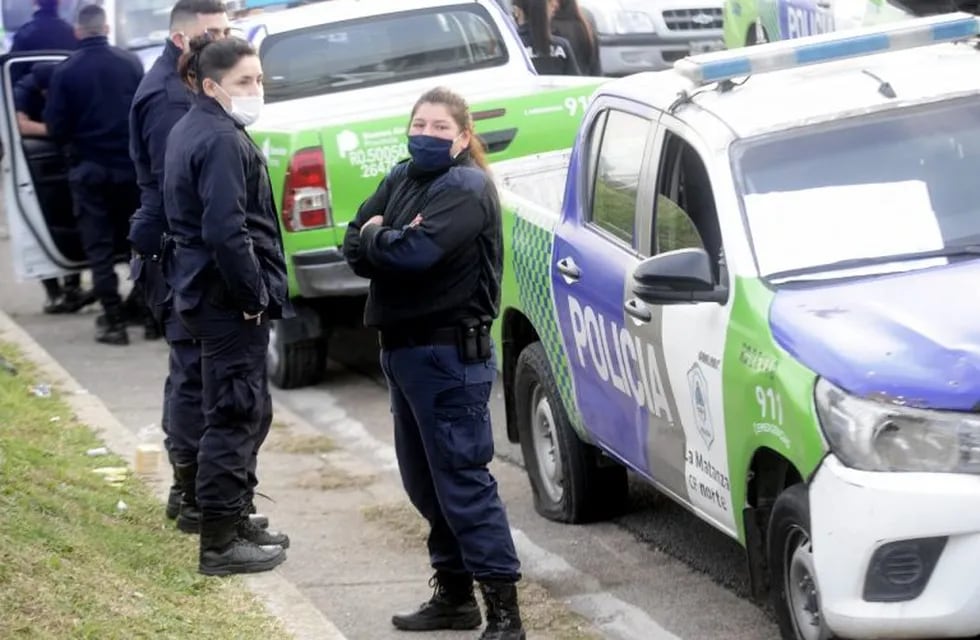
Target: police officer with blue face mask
{"type": "Point", "coordinates": [228, 275]}
{"type": "Point", "coordinates": [430, 241]}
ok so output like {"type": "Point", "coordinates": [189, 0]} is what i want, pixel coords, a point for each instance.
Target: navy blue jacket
{"type": "Point", "coordinates": [434, 271]}
{"type": "Point", "coordinates": [161, 100]}
{"type": "Point", "coordinates": [45, 31]}
{"type": "Point", "coordinates": [218, 200]}
{"type": "Point", "coordinates": [89, 100]}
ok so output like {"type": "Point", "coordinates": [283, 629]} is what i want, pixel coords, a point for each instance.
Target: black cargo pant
{"type": "Point", "coordinates": [183, 415]}
{"type": "Point", "coordinates": [104, 199]}
{"type": "Point", "coordinates": [237, 407]}
{"type": "Point", "coordinates": [444, 442]}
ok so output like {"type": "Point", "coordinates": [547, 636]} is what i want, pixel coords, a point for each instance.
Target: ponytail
{"type": "Point", "coordinates": [207, 57]}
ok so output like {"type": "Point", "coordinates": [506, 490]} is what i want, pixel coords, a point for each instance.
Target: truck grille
{"type": "Point", "coordinates": [693, 19]}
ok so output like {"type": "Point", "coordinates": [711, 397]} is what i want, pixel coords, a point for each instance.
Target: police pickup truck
{"type": "Point", "coordinates": [340, 80]}
{"type": "Point", "coordinates": [757, 289]}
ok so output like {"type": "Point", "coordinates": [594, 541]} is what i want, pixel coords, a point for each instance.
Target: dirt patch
{"type": "Point", "coordinates": [402, 521]}
{"type": "Point", "coordinates": [544, 617]}
{"type": "Point", "coordinates": [286, 442]}
{"type": "Point", "coordinates": [330, 478]}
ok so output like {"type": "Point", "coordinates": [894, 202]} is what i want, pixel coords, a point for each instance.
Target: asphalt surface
{"type": "Point", "coordinates": [654, 572]}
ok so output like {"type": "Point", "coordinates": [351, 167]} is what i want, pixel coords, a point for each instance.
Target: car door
{"type": "Point", "coordinates": [688, 456]}
{"type": "Point", "coordinates": [37, 199]}
{"type": "Point", "coordinates": [593, 251]}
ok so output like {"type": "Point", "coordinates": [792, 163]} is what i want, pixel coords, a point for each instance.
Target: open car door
{"type": "Point", "coordinates": [37, 199]}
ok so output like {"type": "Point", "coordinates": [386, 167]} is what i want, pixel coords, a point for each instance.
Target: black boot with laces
{"type": "Point", "coordinates": [503, 614]}
{"type": "Point", "coordinates": [452, 606]}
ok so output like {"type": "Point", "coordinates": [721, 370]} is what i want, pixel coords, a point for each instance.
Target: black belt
{"type": "Point", "coordinates": [394, 339]}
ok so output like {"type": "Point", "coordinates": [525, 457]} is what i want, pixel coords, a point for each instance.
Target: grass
{"type": "Point", "coordinates": [73, 565]}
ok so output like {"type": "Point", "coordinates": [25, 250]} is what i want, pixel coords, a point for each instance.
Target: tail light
{"type": "Point", "coordinates": [306, 194]}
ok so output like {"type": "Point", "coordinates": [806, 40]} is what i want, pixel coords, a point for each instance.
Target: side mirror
{"type": "Point", "coordinates": [684, 275]}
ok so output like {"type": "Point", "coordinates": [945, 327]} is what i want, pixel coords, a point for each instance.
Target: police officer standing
{"type": "Point", "coordinates": [229, 279]}
{"type": "Point", "coordinates": [29, 98]}
{"type": "Point", "coordinates": [430, 240]}
{"type": "Point", "coordinates": [88, 110]}
{"type": "Point", "coordinates": [161, 100]}
{"type": "Point", "coordinates": [44, 31]}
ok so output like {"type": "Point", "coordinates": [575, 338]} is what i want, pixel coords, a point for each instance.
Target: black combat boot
{"type": "Point", "coordinates": [224, 553]}
{"type": "Point", "coordinates": [248, 530]}
{"type": "Point", "coordinates": [452, 606]}
{"type": "Point", "coordinates": [257, 519]}
{"type": "Point", "coordinates": [110, 327]}
{"type": "Point", "coordinates": [189, 518]}
{"type": "Point", "coordinates": [173, 498]}
{"type": "Point", "coordinates": [503, 614]}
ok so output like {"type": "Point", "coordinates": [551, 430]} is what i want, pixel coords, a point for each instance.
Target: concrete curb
{"type": "Point", "coordinates": [279, 596]}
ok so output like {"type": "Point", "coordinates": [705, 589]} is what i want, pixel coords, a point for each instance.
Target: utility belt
{"type": "Point", "coordinates": [470, 336]}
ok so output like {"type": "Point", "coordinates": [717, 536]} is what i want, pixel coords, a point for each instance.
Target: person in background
{"type": "Point", "coordinates": [30, 91]}
{"type": "Point", "coordinates": [87, 111]}
{"type": "Point", "coordinates": [45, 31]}
{"type": "Point", "coordinates": [550, 54]}
{"type": "Point", "coordinates": [571, 23]}
{"type": "Point", "coordinates": [228, 274]}
{"type": "Point", "coordinates": [430, 241]}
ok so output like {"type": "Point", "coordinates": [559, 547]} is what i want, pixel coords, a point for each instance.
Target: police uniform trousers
{"type": "Point", "coordinates": [236, 403]}
{"type": "Point", "coordinates": [104, 199]}
{"type": "Point", "coordinates": [444, 442]}
{"type": "Point", "coordinates": [183, 416]}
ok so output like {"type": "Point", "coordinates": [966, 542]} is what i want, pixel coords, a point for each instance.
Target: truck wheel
{"type": "Point", "coordinates": [295, 364]}
{"type": "Point", "coordinates": [794, 591]}
{"type": "Point", "coordinates": [567, 481]}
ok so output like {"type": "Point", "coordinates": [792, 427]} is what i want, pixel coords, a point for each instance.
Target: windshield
{"type": "Point", "coordinates": [866, 188]}
{"type": "Point", "coordinates": [142, 23]}
{"type": "Point", "coordinates": [379, 50]}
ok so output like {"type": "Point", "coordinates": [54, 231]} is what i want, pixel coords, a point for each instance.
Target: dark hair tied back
{"type": "Point", "coordinates": [208, 57]}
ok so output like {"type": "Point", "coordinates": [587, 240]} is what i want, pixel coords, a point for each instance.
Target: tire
{"type": "Point", "coordinates": [793, 587]}
{"type": "Point", "coordinates": [568, 483]}
{"type": "Point", "coordinates": [296, 364]}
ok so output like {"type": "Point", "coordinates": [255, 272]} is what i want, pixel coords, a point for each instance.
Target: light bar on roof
{"type": "Point", "coordinates": [787, 54]}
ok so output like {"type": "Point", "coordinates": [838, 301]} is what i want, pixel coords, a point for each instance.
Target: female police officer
{"type": "Point", "coordinates": [430, 241]}
{"type": "Point", "coordinates": [229, 278]}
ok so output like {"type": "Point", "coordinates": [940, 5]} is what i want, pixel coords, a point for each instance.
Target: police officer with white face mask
{"type": "Point", "coordinates": [228, 275]}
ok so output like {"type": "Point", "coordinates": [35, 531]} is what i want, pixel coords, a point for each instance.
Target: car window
{"type": "Point", "coordinates": [685, 215]}
{"type": "Point", "coordinates": [617, 174]}
{"type": "Point", "coordinates": [379, 50]}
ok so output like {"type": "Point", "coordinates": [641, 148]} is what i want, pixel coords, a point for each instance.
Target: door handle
{"type": "Point", "coordinates": [638, 309]}
{"type": "Point", "coordinates": [823, 4]}
{"type": "Point", "coordinates": [568, 268]}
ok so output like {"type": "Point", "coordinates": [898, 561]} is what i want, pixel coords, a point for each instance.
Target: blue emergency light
{"type": "Point", "coordinates": [787, 54]}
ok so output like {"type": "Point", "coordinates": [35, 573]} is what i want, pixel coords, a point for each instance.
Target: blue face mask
{"type": "Point", "coordinates": [430, 153]}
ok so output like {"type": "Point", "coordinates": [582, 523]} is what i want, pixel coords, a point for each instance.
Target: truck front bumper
{"type": "Point", "coordinates": [897, 555]}
{"type": "Point", "coordinates": [622, 55]}
{"type": "Point", "coordinates": [324, 274]}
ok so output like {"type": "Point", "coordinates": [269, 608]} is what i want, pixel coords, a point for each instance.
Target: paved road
{"type": "Point", "coordinates": [654, 572]}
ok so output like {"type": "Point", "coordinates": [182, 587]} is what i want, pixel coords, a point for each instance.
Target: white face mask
{"type": "Point", "coordinates": [245, 110]}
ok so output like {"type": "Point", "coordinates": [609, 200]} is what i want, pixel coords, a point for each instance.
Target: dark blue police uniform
{"type": "Point", "coordinates": [28, 98]}
{"type": "Point", "coordinates": [45, 31]}
{"type": "Point", "coordinates": [428, 278]}
{"type": "Point", "coordinates": [227, 259]}
{"type": "Point", "coordinates": [88, 111]}
{"type": "Point", "coordinates": [161, 100]}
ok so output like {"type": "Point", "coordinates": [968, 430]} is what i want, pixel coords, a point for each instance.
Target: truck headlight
{"type": "Point", "coordinates": [877, 436]}
{"type": "Point", "coordinates": [633, 22]}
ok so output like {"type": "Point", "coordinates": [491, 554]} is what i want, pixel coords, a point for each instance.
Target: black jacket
{"type": "Point", "coordinates": [440, 270]}
{"type": "Point", "coordinates": [586, 49]}
{"type": "Point", "coordinates": [45, 31]}
{"type": "Point", "coordinates": [161, 100]}
{"type": "Point", "coordinates": [89, 99]}
{"type": "Point", "coordinates": [219, 207]}
{"type": "Point", "coordinates": [562, 60]}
